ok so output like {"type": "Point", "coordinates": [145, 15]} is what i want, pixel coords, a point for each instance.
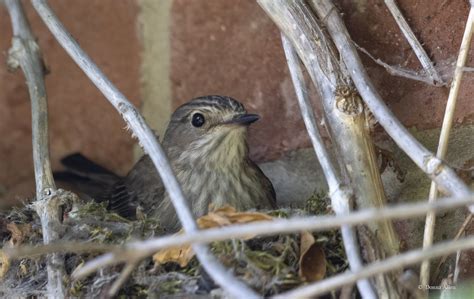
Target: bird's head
{"type": "Point", "coordinates": [211, 127]}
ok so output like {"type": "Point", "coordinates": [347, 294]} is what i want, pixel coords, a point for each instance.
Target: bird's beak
{"type": "Point", "coordinates": [243, 119]}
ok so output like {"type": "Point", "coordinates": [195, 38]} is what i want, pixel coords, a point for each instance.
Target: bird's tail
{"type": "Point", "coordinates": [87, 178]}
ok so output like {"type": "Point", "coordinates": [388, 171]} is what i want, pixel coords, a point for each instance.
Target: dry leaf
{"type": "Point", "coordinates": [19, 233]}
{"type": "Point", "coordinates": [221, 217]}
{"type": "Point", "coordinates": [4, 264]}
{"type": "Point", "coordinates": [181, 255]}
{"type": "Point", "coordinates": [212, 220]}
{"type": "Point", "coordinates": [228, 215]}
{"type": "Point", "coordinates": [312, 259]}
{"type": "Point", "coordinates": [248, 217]}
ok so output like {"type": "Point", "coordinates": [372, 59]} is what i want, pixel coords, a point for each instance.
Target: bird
{"type": "Point", "coordinates": [206, 145]}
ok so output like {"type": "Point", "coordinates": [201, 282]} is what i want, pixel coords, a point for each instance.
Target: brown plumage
{"type": "Point", "coordinates": [206, 143]}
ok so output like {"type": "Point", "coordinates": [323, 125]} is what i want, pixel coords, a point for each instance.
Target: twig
{"type": "Point", "coordinates": [444, 136]}
{"type": "Point", "coordinates": [461, 230]}
{"type": "Point", "coordinates": [390, 264]}
{"type": "Point", "coordinates": [60, 247]}
{"type": "Point", "coordinates": [25, 53]}
{"type": "Point", "coordinates": [414, 43]}
{"type": "Point", "coordinates": [308, 115]}
{"type": "Point", "coordinates": [345, 117]}
{"type": "Point", "coordinates": [147, 140]}
{"type": "Point", "coordinates": [398, 71]}
{"type": "Point", "coordinates": [434, 167]}
{"type": "Point", "coordinates": [142, 249]}
{"type": "Point", "coordinates": [126, 272]}
{"type": "Point", "coordinates": [339, 198]}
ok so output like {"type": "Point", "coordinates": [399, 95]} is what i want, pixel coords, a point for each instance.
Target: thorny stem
{"type": "Point", "coordinates": [26, 54]}
{"type": "Point", "coordinates": [444, 136]}
{"type": "Point", "coordinates": [149, 143]}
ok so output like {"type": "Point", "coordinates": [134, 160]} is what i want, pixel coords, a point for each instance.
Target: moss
{"type": "Point", "coordinates": [267, 264]}
{"type": "Point", "coordinates": [318, 204]}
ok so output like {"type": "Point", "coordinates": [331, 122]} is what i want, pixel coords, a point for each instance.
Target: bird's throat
{"type": "Point", "coordinates": [216, 172]}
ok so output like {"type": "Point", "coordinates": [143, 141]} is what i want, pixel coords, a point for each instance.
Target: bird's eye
{"type": "Point", "coordinates": [198, 120]}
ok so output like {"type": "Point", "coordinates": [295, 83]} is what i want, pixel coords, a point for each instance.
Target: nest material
{"type": "Point", "coordinates": [269, 264]}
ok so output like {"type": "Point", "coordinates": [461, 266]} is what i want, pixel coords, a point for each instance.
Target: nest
{"type": "Point", "coordinates": [269, 265]}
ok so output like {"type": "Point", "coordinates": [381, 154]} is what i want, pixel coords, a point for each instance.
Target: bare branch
{"type": "Point", "coordinates": [398, 71]}
{"type": "Point", "coordinates": [461, 231]}
{"type": "Point", "coordinates": [434, 167]}
{"type": "Point", "coordinates": [444, 136]}
{"type": "Point", "coordinates": [118, 283]}
{"type": "Point", "coordinates": [308, 115]}
{"type": "Point", "coordinates": [390, 264]}
{"type": "Point", "coordinates": [414, 43]}
{"type": "Point", "coordinates": [26, 54]}
{"type": "Point", "coordinates": [147, 140]}
{"type": "Point", "coordinates": [345, 116]}
{"type": "Point", "coordinates": [339, 198]}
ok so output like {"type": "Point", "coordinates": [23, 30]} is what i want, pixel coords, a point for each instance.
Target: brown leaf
{"type": "Point", "coordinates": [212, 220]}
{"type": "Point", "coordinates": [220, 217]}
{"type": "Point", "coordinates": [4, 264]}
{"type": "Point", "coordinates": [312, 259]}
{"type": "Point", "coordinates": [248, 217]}
{"type": "Point", "coordinates": [228, 215]}
{"type": "Point", "coordinates": [181, 255]}
{"type": "Point", "coordinates": [19, 233]}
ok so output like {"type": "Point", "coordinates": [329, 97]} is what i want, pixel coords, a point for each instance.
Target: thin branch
{"type": "Point", "coordinates": [26, 54]}
{"type": "Point", "coordinates": [352, 250]}
{"type": "Point", "coordinates": [346, 119]}
{"type": "Point", "coordinates": [398, 71]}
{"type": "Point", "coordinates": [434, 167]}
{"type": "Point", "coordinates": [142, 249]}
{"type": "Point", "coordinates": [146, 138]}
{"type": "Point", "coordinates": [308, 115]}
{"type": "Point", "coordinates": [63, 247]}
{"type": "Point", "coordinates": [124, 275]}
{"type": "Point", "coordinates": [444, 136]}
{"type": "Point", "coordinates": [461, 231]}
{"type": "Point", "coordinates": [414, 43]}
{"type": "Point", "coordinates": [339, 198]}
{"type": "Point", "coordinates": [393, 263]}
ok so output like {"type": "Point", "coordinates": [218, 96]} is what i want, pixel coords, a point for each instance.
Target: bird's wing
{"type": "Point", "coordinates": [266, 185]}
{"type": "Point", "coordinates": [85, 177]}
{"type": "Point", "coordinates": [144, 186]}
{"type": "Point", "coordinates": [79, 164]}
